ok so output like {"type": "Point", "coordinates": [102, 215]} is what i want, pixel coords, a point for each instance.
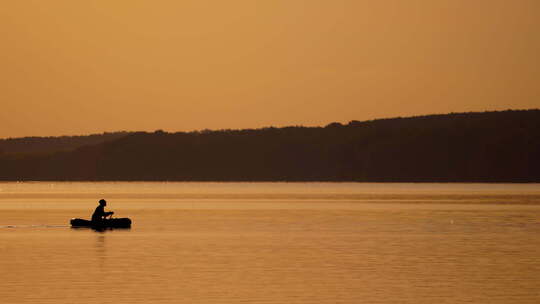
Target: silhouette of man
{"type": "Point", "coordinates": [99, 213]}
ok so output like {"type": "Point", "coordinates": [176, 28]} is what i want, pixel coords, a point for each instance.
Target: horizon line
{"type": "Point", "coordinates": [271, 126]}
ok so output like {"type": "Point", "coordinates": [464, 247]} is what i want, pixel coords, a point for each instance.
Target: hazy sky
{"type": "Point", "coordinates": [79, 67]}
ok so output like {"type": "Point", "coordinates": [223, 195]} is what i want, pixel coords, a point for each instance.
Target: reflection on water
{"type": "Point", "coordinates": [272, 243]}
{"type": "Point", "coordinates": [101, 253]}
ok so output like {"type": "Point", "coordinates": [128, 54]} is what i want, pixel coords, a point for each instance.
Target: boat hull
{"type": "Point", "coordinates": [106, 223]}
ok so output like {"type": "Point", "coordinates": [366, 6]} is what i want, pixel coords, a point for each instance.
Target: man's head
{"type": "Point", "coordinates": [103, 202]}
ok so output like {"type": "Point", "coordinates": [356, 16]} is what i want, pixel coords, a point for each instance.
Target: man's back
{"type": "Point", "coordinates": [98, 213]}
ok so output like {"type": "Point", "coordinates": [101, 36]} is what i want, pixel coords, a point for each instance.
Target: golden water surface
{"type": "Point", "coordinates": [272, 243]}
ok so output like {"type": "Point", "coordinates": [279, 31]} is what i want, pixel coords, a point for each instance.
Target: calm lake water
{"type": "Point", "coordinates": [272, 243]}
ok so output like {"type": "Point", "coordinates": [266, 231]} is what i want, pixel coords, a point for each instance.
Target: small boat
{"type": "Point", "coordinates": [106, 223]}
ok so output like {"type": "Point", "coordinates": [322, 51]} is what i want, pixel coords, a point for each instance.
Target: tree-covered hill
{"type": "Point", "coordinates": [34, 145]}
{"type": "Point", "coordinates": [465, 147]}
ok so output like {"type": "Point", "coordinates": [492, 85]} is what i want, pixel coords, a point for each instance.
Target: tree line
{"type": "Point", "coordinates": [33, 145]}
{"type": "Point", "coordinates": [459, 147]}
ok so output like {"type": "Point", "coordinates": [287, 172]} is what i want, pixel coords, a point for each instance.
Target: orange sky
{"type": "Point", "coordinates": [79, 67]}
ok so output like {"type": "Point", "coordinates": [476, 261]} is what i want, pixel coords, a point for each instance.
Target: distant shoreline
{"type": "Point", "coordinates": [488, 147]}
